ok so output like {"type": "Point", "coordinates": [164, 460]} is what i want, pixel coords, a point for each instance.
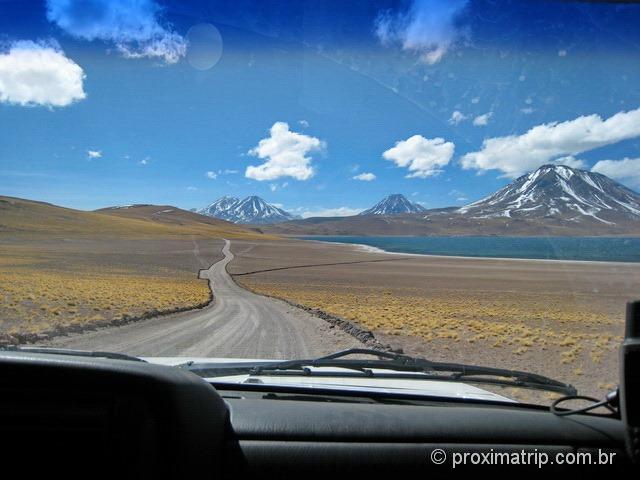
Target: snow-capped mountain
{"type": "Point", "coordinates": [251, 209]}
{"type": "Point", "coordinates": [393, 205]}
{"type": "Point", "coordinates": [221, 208]}
{"type": "Point", "coordinates": [561, 192]}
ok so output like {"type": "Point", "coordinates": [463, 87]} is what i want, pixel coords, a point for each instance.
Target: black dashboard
{"type": "Point", "coordinates": [94, 417]}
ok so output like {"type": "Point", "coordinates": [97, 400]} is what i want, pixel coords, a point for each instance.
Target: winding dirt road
{"type": "Point", "coordinates": [238, 323]}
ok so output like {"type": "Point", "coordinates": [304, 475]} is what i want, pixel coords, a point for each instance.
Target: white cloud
{"type": "Point", "coordinates": [145, 161]}
{"type": "Point", "coordinates": [39, 74]}
{"type": "Point", "coordinates": [331, 212]}
{"type": "Point", "coordinates": [192, 189]}
{"type": "Point", "coordinates": [527, 110]}
{"type": "Point", "coordinates": [423, 157]}
{"type": "Point", "coordinates": [365, 177]}
{"type": "Point", "coordinates": [273, 187]}
{"type": "Point", "coordinates": [459, 195]}
{"type": "Point", "coordinates": [562, 53]}
{"type": "Point", "coordinates": [94, 154]}
{"type": "Point", "coordinates": [482, 120]}
{"type": "Point", "coordinates": [133, 26]}
{"type": "Point", "coordinates": [570, 161]}
{"type": "Point", "coordinates": [304, 123]}
{"type": "Point", "coordinates": [457, 117]}
{"type": "Point", "coordinates": [516, 154]}
{"type": "Point", "coordinates": [170, 48]}
{"type": "Point", "coordinates": [287, 155]}
{"type": "Point", "coordinates": [626, 170]}
{"type": "Point", "coordinates": [229, 172]}
{"type": "Point", "coordinates": [211, 175]}
{"type": "Point", "coordinates": [428, 28]}
{"type": "Point", "coordinates": [475, 100]}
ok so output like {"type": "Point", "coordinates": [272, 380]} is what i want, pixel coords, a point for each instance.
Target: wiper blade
{"type": "Point", "coordinates": [405, 363]}
{"type": "Point", "coordinates": [411, 368]}
{"type": "Point", "coordinates": [75, 353]}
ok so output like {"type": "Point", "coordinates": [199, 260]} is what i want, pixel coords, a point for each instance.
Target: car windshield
{"type": "Point", "coordinates": [217, 185]}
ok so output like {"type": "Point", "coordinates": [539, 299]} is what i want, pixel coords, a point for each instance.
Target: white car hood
{"type": "Point", "coordinates": [432, 388]}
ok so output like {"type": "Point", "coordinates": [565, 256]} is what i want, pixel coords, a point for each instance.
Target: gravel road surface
{"type": "Point", "coordinates": [237, 324]}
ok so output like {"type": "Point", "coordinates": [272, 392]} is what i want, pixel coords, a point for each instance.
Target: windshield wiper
{"type": "Point", "coordinates": [411, 368]}
{"type": "Point", "coordinates": [75, 353]}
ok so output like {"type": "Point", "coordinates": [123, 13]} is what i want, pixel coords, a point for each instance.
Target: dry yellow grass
{"type": "Point", "coordinates": [34, 301]}
{"type": "Point", "coordinates": [514, 323]}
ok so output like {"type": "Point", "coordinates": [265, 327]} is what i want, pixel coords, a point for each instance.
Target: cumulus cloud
{"type": "Point", "coordinates": [211, 175]}
{"type": "Point", "coordinates": [133, 26]}
{"type": "Point", "coordinates": [457, 117]}
{"type": "Point", "coordinates": [286, 154]}
{"type": "Point", "coordinates": [424, 157]}
{"type": "Point", "coordinates": [39, 74]}
{"type": "Point", "coordinates": [516, 154]}
{"type": "Point", "coordinates": [331, 212]}
{"type": "Point", "coordinates": [365, 177]}
{"type": "Point", "coordinates": [482, 120]}
{"type": "Point", "coordinates": [94, 154]}
{"type": "Point", "coordinates": [570, 161]}
{"type": "Point", "coordinates": [428, 28]}
{"type": "Point", "coordinates": [626, 170]}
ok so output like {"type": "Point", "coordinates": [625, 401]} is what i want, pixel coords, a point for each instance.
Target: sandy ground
{"type": "Point", "coordinates": [561, 319]}
{"type": "Point", "coordinates": [237, 324]}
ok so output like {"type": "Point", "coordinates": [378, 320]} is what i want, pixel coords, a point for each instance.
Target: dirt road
{"type": "Point", "coordinates": [237, 324]}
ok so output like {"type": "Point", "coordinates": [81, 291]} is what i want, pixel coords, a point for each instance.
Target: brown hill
{"type": "Point", "coordinates": [20, 217]}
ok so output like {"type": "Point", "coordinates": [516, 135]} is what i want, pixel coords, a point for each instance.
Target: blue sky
{"type": "Point", "coordinates": [322, 109]}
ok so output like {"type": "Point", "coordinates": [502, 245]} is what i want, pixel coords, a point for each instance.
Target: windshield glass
{"type": "Point", "coordinates": [452, 180]}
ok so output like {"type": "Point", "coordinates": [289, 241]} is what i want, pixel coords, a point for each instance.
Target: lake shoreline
{"type": "Point", "coordinates": [363, 247]}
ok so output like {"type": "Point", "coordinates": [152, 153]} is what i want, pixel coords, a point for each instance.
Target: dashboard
{"type": "Point", "coordinates": [106, 418]}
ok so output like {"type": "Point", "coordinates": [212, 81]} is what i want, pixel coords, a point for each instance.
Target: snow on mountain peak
{"type": "Point", "coordinates": [252, 209]}
{"type": "Point", "coordinates": [562, 192]}
{"type": "Point", "coordinates": [393, 205]}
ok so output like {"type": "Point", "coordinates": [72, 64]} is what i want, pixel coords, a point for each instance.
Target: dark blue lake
{"type": "Point", "coordinates": [611, 249]}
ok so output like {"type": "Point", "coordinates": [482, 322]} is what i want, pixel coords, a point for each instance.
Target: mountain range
{"type": "Point", "coordinates": [552, 200]}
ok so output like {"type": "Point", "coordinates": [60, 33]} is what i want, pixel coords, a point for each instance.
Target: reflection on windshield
{"type": "Point", "coordinates": [454, 181]}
